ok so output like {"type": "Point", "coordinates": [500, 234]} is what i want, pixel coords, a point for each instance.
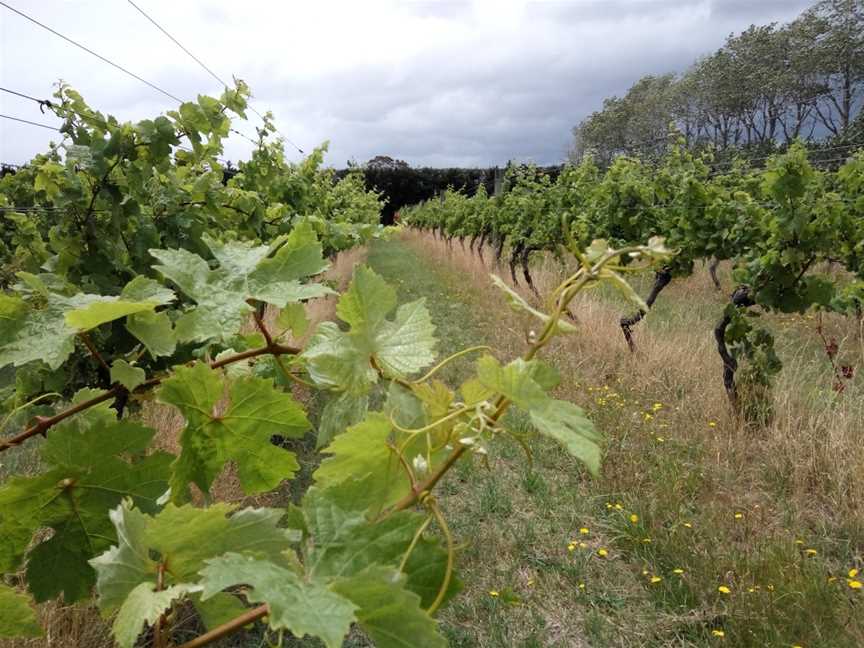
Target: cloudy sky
{"type": "Point", "coordinates": [444, 83]}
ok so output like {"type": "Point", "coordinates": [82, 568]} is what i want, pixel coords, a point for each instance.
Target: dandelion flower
{"type": "Point", "coordinates": [712, 424]}
{"type": "Point", "coordinates": [493, 593]}
{"type": "Point", "coordinates": [799, 542]}
{"type": "Point", "coordinates": [724, 590]}
{"type": "Point", "coordinates": [602, 552]}
{"type": "Point", "coordinates": [853, 573]}
{"type": "Point", "coordinates": [619, 506]}
{"type": "Point", "coordinates": [582, 586]}
{"type": "Point", "coordinates": [751, 590]}
{"type": "Point", "coordinates": [646, 540]}
{"type": "Point", "coordinates": [738, 516]}
{"type": "Point", "coordinates": [678, 571]}
{"type": "Point", "coordinates": [656, 579]}
{"type": "Point", "coordinates": [530, 582]}
{"type": "Point", "coordinates": [811, 552]}
{"type": "Point", "coordinates": [584, 531]}
{"type": "Point", "coordinates": [854, 584]}
{"type": "Point", "coordinates": [718, 633]}
{"type": "Point", "coordinates": [657, 407]}
{"type": "Point", "coordinates": [634, 518]}
{"type": "Point", "coordinates": [770, 588]}
{"type": "Point", "coordinates": [582, 545]}
{"type": "Point", "coordinates": [688, 525]}
{"type": "Point", "coordinates": [571, 547]}
{"type": "Point", "coordinates": [648, 416]}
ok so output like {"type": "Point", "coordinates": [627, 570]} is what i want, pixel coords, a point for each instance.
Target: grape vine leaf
{"type": "Point", "coordinates": [293, 318]}
{"type": "Point", "coordinates": [390, 614]}
{"type": "Point", "coordinates": [341, 411]}
{"type": "Point", "coordinates": [126, 374]}
{"type": "Point", "coordinates": [44, 328]}
{"type": "Point", "coordinates": [181, 539]}
{"type": "Point", "coordinates": [17, 618]}
{"type": "Point", "coordinates": [401, 346]}
{"type": "Point", "coordinates": [155, 331]}
{"type": "Point", "coordinates": [245, 273]}
{"type": "Point", "coordinates": [525, 383]}
{"type": "Point", "coordinates": [143, 607]}
{"type": "Point", "coordinates": [87, 473]}
{"type": "Point", "coordinates": [362, 450]}
{"type": "Point", "coordinates": [333, 360]}
{"type": "Point", "coordinates": [295, 604]}
{"type": "Point", "coordinates": [237, 429]}
{"type": "Point", "coordinates": [344, 542]}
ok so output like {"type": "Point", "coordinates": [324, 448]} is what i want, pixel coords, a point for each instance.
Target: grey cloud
{"type": "Point", "coordinates": [479, 89]}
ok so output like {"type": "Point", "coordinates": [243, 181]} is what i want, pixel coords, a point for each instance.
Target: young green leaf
{"type": "Point", "coordinates": [238, 429]}
{"type": "Point", "coordinates": [297, 605]}
{"type": "Point", "coordinates": [126, 374]}
{"type": "Point", "coordinates": [17, 618]}
{"type": "Point", "coordinates": [390, 614]}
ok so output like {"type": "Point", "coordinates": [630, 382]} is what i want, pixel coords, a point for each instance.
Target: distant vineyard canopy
{"type": "Point", "coordinates": [769, 84]}
{"type": "Point", "coordinates": [404, 185]}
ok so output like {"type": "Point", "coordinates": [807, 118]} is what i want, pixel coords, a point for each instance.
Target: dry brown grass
{"type": "Point", "coordinates": [814, 438]}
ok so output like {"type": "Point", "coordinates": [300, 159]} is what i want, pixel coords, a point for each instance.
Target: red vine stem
{"type": "Point", "coordinates": [44, 423]}
{"type": "Point", "coordinates": [228, 628]}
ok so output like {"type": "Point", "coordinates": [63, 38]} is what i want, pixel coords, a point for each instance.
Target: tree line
{"type": "Point", "coordinates": [766, 86]}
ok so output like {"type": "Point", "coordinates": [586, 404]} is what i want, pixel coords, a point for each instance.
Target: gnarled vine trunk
{"type": "Point", "coordinates": [741, 298]}
{"type": "Point", "coordinates": [712, 270]}
{"type": "Point", "coordinates": [662, 278]}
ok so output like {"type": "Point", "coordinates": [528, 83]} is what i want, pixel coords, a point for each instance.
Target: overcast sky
{"type": "Point", "coordinates": [444, 83]}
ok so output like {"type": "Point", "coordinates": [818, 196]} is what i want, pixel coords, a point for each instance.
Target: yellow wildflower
{"type": "Point", "coordinates": [582, 586]}
{"type": "Point", "coordinates": [688, 525]}
{"type": "Point", "coordinates": [619, 506]}
{"type": "Point", "coordinates": [656, 579]}
{"type": "Point", "coordinates": [738, 516]}
{"type": "Point", "coordinates": [648, 416]}
{"type": "Point", "coordinates": [854, 584]}
{"type": "Point", "coordinates": [678, 571]}
{"type": "Point", "coordinates": [493, 593]}
{"type": "Point", "coordinates": [799, 542]}
{"type": "Point", "coordinates": [602, 552]}
{"type": "Point", "coordinates": [712, 424]}
{"type": "Point", "coordinates": [770, 588]}
{"type": "Point", "coordinates": [810, 552]}
{"type": "Point", "coordinates": [853, 573]}
{"type": "Point", "coordinates": [571, 547]}
{"type": "Point", "coordinates": [724, 590]}
{"type": "Point", "coordinates": [584, 531]}
{"type": "Point", "coordinates": [634, 518]}
{"type": "Point", "coordinates": [660, 439]}
{"type": "Point", "coordinates": [530, 582]}
{"type": "Point", "coordinates": [718, 633]}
